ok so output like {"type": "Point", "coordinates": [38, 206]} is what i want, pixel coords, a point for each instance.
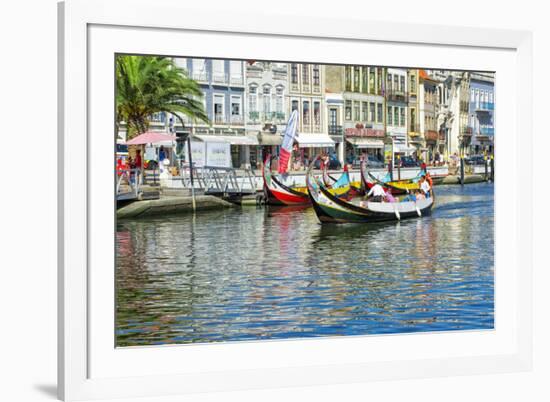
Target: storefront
{"type": "Point", "coordinates": [269, 145]}
{"type": "Point", "coordinates": [241, 147]}
{"type": "Point", "coordinates": [310, 146]}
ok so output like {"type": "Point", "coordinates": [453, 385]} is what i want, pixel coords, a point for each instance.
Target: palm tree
{"type": "Point", "coordinates": [151, 84]}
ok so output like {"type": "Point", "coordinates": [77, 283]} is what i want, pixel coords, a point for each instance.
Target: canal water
{"type": "Point", "coordinates": [273, 273]}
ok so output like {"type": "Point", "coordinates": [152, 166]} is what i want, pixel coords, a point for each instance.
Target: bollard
{"type": "Point", "coordinates": [462, 170]}
{"type": "Point", "coordinates": [492, 169]}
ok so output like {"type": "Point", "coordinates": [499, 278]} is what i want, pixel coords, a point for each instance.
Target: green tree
{"type": "Point", "coordinates": [151, 84]}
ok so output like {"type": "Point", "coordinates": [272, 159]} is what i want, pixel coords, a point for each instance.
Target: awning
{"type": "Point", "coordinates": [231, 139]}
{"type": "Point", "coordinates": [402, 148]}
{"type": "Point", "coordinates": [306, 140]}
{"type": "Point", "coordinates": [270, 139]}
{"type": "Point", "coordinates": [361, 142]}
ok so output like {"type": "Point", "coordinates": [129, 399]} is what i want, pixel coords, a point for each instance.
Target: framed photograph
{"type": "Point", "coordinates": [249, 202]}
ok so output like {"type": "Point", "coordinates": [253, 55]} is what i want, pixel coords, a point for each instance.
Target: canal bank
{"type": "Point", "coordinates": [171, 205]}
{"type": "Point", "coordinates": [175, 204]}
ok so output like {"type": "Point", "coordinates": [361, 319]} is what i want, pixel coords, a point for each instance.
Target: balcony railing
{"type": "Point", "coordinates": [364, 132]}
{"type": "Point", "coordinates": [236, 80]}
{"type": "Point", "coordinates": [219, 78]}
{"type": "Point", "coordinates": [490, 131]}
{"type": "Point", "coordinates": [485, 107]}
{"type": "Point", "coordinates": [431, 135]}
{"type": "Point", "coordinates": [466, 131]}
{"type": "Point", "coordinates": [335, 130]}
{"type": "Point", "coordinates": [220, 119]}
{"type": "Point", "coordinates": [237, 119]}
{"type": "Point", "coordinates": [396, 96]}
{"type": "Point", "coordinates": [201, 76]}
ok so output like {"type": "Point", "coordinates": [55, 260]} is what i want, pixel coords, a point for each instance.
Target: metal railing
{"type": "Point", "coordinates": [220, 180]}
{"type": "Point", "coordinates": [128, 184]}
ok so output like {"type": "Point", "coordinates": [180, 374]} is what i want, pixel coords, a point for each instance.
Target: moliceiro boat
{"type": "Point", "coordinates": [331, 209]}
{"type": "Point", "coordinates": [396, 186]}
{"type": "Point", "coordinates": [278, 192]}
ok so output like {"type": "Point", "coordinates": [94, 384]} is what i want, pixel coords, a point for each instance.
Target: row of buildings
{"type": "Point", "coordinates": [345, 110]}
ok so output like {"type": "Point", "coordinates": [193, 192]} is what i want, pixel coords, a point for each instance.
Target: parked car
{"type": "Point", "coordinates": [409, 161]}
{"type": "Point", "coordinates": [374, 162]}
{"type": "Point", "coordinates": [333, 164]}
{"type": "Point", "coordinates": [474, 160]}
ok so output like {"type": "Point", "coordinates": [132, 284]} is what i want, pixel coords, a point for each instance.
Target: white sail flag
{"type": "Point", "coordinates": [288, 141]}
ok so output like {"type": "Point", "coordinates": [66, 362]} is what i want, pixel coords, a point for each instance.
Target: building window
{"type": "Point", "coordinates": [364, 111]}
{"type": "Point", "coordinates": [305, 113]}
{"type": "Point", "coordinates": [218, 71]}
{"type": "Point", "coordinates": [294, 73]}
{"type": "Point", "coordinates": [305, 74]}
{"type": "Point", "coordinates": [396, 82]}
{"type": "Point", "coordinates": [267, 98]}
{"type": "Point", "coordinates": [413, 83]}
{"type": "Point", "coordinates": [218, 108]}
{"type": "Point", "coordinates": [294, 105]}
{"type": "Point", "coordinates": [316, 75]}
{"type": "Point", "coordinates": [389, 79]}
{"type": "Point", "coordinates": [372, 112]}
{"type": "Point", "coordinates": [380, 115]}
{"type": "Point", "coordinates": [252, 98]}
{"type": "Point", "coordinates": [379, 80]}
{"type": "Point", "coordinates": [236, 109]}
{"type": "Point", "coordinates": [356, 111]}
{"type": "Point", "coordinates": [236, 71]}
{"type": "Point", "coordinates": [372, 80]}
{"type": "Point", "coordinates": [402, 83]}
{"type": "Point", "coordinates": [348, 79]}
{"type": "Point", "coordinates": [356, 79]}
{"type": "Point", "coordinates": [279, 99]}
{"type": "Point", "coordinates": [413, 120]}
{"type": "Point", "coordinates": [317, 113]}
{"type": "Point", "coordinates": [348, 110]}
{"type": "Point", "coordinates": [403, 117]}
{"type": "Point", "coordinates": [365, 79]}
{"type": "Point", "coordinates": [396, 116]}
{"type": "Point", "coordinates": [390, 116]}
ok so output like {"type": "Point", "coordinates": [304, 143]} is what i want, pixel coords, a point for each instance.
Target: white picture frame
{"type": "Point", "coordinates": [80, 25]}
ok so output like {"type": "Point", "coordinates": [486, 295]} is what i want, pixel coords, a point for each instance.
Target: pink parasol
{"type": "Point", "coordinates": [151, 137]}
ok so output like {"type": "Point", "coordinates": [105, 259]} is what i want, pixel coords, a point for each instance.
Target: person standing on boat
{"type": "Point", "coordinates": [425, 186]}
{"type": "Point", "coordinates": [378, 193]}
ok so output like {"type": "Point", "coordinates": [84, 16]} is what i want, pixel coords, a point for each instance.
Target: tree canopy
{"type": "Point", "coordinates": [151, 84]}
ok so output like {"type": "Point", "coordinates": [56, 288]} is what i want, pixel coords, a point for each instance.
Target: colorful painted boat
{"type": "Point", "coordinates": [331, 209]}
{"type": "Point", "coordinates": [279, 193]}
{"type": "Point", "coordinates": [396, 187]}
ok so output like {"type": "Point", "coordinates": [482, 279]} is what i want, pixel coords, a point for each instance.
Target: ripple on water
{"type": "Point", "coordinates": [262, 273]}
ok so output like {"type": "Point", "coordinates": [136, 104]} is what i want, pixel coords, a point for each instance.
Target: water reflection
{"type": "Point", "coordinates": [265, 273]}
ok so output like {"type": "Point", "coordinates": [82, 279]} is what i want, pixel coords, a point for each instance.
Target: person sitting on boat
{"type": "Point", "coordinates": [378, 193]}
{"type": "Point", "coordinates": [420, 195]}
{"type": "Point", "coordinates": [410, 197]}
{"type": "Point", "coordinates": [390, 198]}
{"type": "Point", "coordinates": [425, 186]}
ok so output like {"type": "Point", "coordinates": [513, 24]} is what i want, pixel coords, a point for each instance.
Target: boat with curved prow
{"type": "Point", "coordinates": [397, 187]}
{"type": "Point", "coordinates": [331, 209]}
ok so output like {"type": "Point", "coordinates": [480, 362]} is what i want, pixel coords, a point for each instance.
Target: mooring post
{"type": "Point", "coordinates": [486, 167]}
{"type": "Point", "coordinates": [462, 169]}
{"type": "Point", "coordinates": [492, 168]}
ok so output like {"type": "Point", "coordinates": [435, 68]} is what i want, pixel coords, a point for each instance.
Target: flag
{"type": "Point", "coordinates": [288, 140]}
